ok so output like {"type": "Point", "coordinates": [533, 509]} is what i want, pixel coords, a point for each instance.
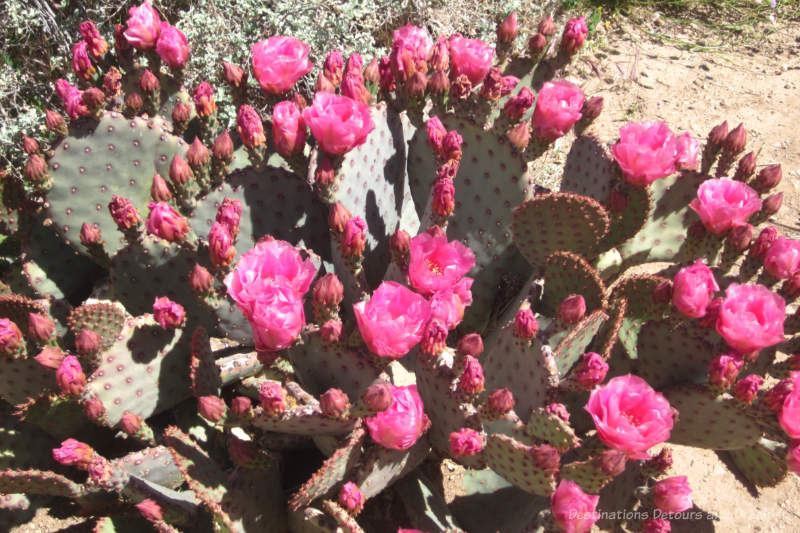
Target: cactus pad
{"type": "Point", "coordinates": [587, 474]}
{"type": "Point", "coordinates": [302, 420]}
{"type": "Point", "coordinates": [39, 482]}
{"type": "Point", "coordinates": [380, 467]}
{"type": "Point", "coordinates": [155, 465]}
{"type": "Point", "coordinates": [514, 462]}
{"type": "Point", "coordinates": [589, 169]}
{"type": "Point", "coordinates": [21, 379]}
{"type": "Point", "coordinates": [640, 307]}
{"type": "Point", "coordinates": [204, 373]}
{"type": "Point", "coordinates": [672, 352]}
{"type": "Point", "coordinates": [551, 428]}
{"type": "Point", "coordinates": [104, 318]}
{"type": "Point", "coordinates": [763, 463]}
{"type": "Point", "coordinates": [627, 223]}
{"type": "Point", "coordinates": [16, 308]}
{"type": "Point", "coordinates": [570, 341]}
{"type": "Point", "coordinates": [567, 273]}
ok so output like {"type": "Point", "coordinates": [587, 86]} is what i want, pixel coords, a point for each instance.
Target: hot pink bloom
{"type": "Point", "coordinates": [789, 415]}
{"type": "Point", "coordinates": [672, 495]}
{"type": "Point", "coordinates": [793, 458]}
{"type": "Point", "coordinates": [591, 371]}
{"type": "Point", "coordinates": [165, 222]}
{"type": "Point", "coordinates": [258, 268]}
{"type": "Point", "coordinates": [168, 313]}
{"type": "Point", "coordinates": [229, 214]}
{"type": "Point", "coordinates": [470, 57]}
{"type": "Point", "coordinates": [351, 497]}
{"type": "Point", "coordinates": [403, 423]}
{"type": "Point", "coordinates": [81, 63]}
{"type": "Point", "coordinates": [143, 26]}
{"type": "Point", "coordinates": [70, 377]}
{"type": "Point", "coordinates": [276, 317]}
{"type": "Point", "coordinates": [630, 416]}
{"type": "Point", "coordinates": [74, 453]}
{"type": "Point", "coordinates": [436, 264]}
{"type": "Point", "coordinates": [783, 258]}
{"type": "Point", "coordinates": [249, 126]}
{"type": "Point", "coordinates": [413, 42]}
{"type": "Point", "coordinates": [72, 98]}
{"type": "Point", "coordinates": [558, 108]}
{"type": "Point", "coordinates": [693, 289]}
{"type": "Point", "coordinates": [646, 151]}
{"type": "Point", "coordinates": [466, 442]}
{"type": "Point", "coordinates": [751, 318]}
{"type": "Point", "coordinates": [436, 133]}
{"type": "Point", "coordinates": [279, 62]}
{"type": "Point", "coordinates": [97, 45]}
{"type": "Point", "coordinates": [354, 237]}
{"type": "Point", "coordinates": [10, 337]}
{"type": "Point", "coordinates": [288, 129]}
{"type": "Point", "coordinates": [172, 46]}
{"type": "Point", "coordinates": [573, 510]}
{"type": "Point", "coordinates": [687, 150]}
{"type": "Point", "coordinates": [392, 321]}
{"type": "Point", "coordinates": [723, 369]}
{"type": "Point", "coordinates": [338, 123]}
{"type": "Point", "coordinates": [448, 305]}
{"type": "Point", "coordinates": [722, 203]}
{"type": "Point", "coordinates": [575, 33]}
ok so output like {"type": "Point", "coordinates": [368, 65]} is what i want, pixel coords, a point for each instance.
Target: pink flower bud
{"type": "Point", "coordinates": [434, 338]}
{"type": "Point", "coordinates": [241, 405]}
{"type": "Point", "coordinates": [746, 167]}
{"type": "Point", "coordinates": [717, 135]}
{"type": "Point", "coordinates": [403, 423]}
{"type": "Point", "coordinates": [355, 63]}
{"type": "Point", "coordinates": [466, 442]}
{"type": "Point", "coordinates": [165, 222]}
{"type": "Point", "coordinates": [234, 75]}
{"type": "Point", "coordinates": [130, 424]}
{"type": "Point", "coordinates": [338, 123]}
{"type": "Point", "coordinates": [40, 327]}
{"type": "Point", "coordinates": [440, 55]}
{"type": "Point", "coordinates": [470, 57]}
{"type": "Point", "coordinates": [112, 82]}
{"type": "Point", "coordinates": [200, 280]}
{"type": "Point", "coordinates": [148, 82]}
{"type": "Point", "coordinates": [181, 114]}
{"type": "Point", "coordinates": [492, 86]}
{"type": "Point", "coordinates": [444, 202]}
{"type": "Point", "coordinates": [508, 30]}
{"type": "Point", "coordinates": [94, 409]}
{"type": "Point", "coordinates": [133, 102]}
{"type": "Point", "coordinates": [789, 414]}
{"type": "Point", "coordinates": [739, 237]}
{"type": "Point", "coordinates": [159, 190]}
{"type": "Point", "coordinates": [763, 242]}
{"type": "Point", "coordinates": [736, 140]}
{"type": "Point", "coordinates": [451, 146]}
{"type": "Point", "coordinates": [723, 202]}
{"type": "Point", "coordinates": [97, 45]}
{"type": "Point", "coordinates": [73, 453]}
{"type": "Point", "coordinates": [436, 132]}
{"type": "Point", "coordinates": [70, 377]}
{"type": "Point", "coordinates": [371, 72]}
{"type": "Point", "coordinates": [592, 108]}
{"type": "Point", "coordinates": [334, 403]}
{"type": "Point", "coordinates": [172, 46]}
{"type": "Point", "coordinates": [35, 169]}
{"type": "Point", "coordinates": [558, 409]}
{"type": "Point", "coordinates": [612, 462]}
{"type": "Point", "coordinates": [646, 151]}
{"type": "Point", "coordinates": [278, 62]}
{"type": "Point", "coordinates": [143, 26]}
{"type": "Point", "coordinates": [29, 145]}
{"type": "Point", "coordinates": [168, 313]}
{"type": "Point", "coordinates": [288, 129]}
{"type": "Point", "coordinates": [439, 84]}
{"type": "Point", "coordinates": [55, 122]}
{"type": "Point", "coordinates": [546, 457]}
{"type": "Point", "coordinates": [229, 215]}
{"type": "Point", "coordinates": [751, 318]}
{"type": "Point", "coordinates": [573, 510]}
{"type": "Point", "coordinates": [150, 510]}
{"type": "Point", "coordinates": [81, 63]}
{"type": "Point", "coordinates": [377, 397]}
{"type": "Point", "coordinates": [501, 401]}
{"type": "Point", "coordinates": [672, 495]}
{"type": "Point", "coordinates": [656, 525]}
{"type": "Point", "coordinates": [520, 135]}
{"type": "Point", "coordinates": [525, 324]}
{"type": "Point", "coordinates": [558, 108]}
{"type": "Point", "coordinates": [198, 155]}
{"type": "Point", "coordinates": [50, 358]}
{"type": "Point", "coordinates": [572, 309]}
{"type": "Point", "coordinates": [331, 331]}
{"type": "Point", "coordinates": [323, 84]}
{"type": "Point", "coordinates": [220, 245]}
{"type": "Point", "coordinates": [211, 408]}
{"type": "Point", "coordinates": [772, 204]}
{"type": "Point", "coordinates": [328, 291]}
{"type": "Point", "coordinates": [687, 148]}
{"type": "Point", "coordinates": [470, 344]}
{"type": "Point", "coordinates": [272, 397]}
{"type": "Point", "coordinates": [204, 99]}
{"type": "Point", "coordinates": [90, 235]}
{"type": "Point", "coordinates": [179, 171]}
{"type": "Point", "coordinates": [334, 67]}
{"type": "Point", "coordinates": [591, 371]}
{"type": "Point", "coordinates": [775, 397]}
{"type": "Point", "coordinates": [537, 43]}
{"type": "Point", "coordinates": [222, 149]}
{"type": "Point", "coordinates": [723, 369]}
{"type": "Point", "coordinates": [124, 213]}
{"type": "Point", "coordinates": [769, 177]}
{"type": "Point", "coordinates": [693, 288]}
{"type": "Point", "coordinates": [351, 498]}
{"type": "Point", "coordinates": [338, 218]}
{"type": "Point", "coordinates": [87, 342]}
{"type": "Point", "coordinates": [547, 26]}
{"type": "Point", "coordinates": [387, 81]}
{"type": "Point", "coordinates": [746, 389]}
{"type": "Point", "coordinates": [354, 238]}
{"type": "Point", "coordinates": [575, 33]}
{"type": "Point", "coordinates": [516, 106]}
{"type": "Point", "coordinates": [415, 87]}
{"type": "Point", "coordinates": [471, 380]}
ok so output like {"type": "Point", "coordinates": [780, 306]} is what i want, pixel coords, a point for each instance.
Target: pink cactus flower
{"type": "Point", "coordinates": [687, 150]}
{"type": "Point", "coordinates": [575, 33]}
{"type": "Point", "coordinates": [403, 423]}
{"type": "Point", "coordinates": [466, 442]}
{"type": "Point", "coordinates": [97, 45]}
{"type": "Point", "coordinates": [288, 129]}
{"type": "Point", "coordinates": [573, 510]}
{"type": "Point", "coordinates": [630, 416]}
{"type": "Point", "coordinates": [693, 289]}
{"type": "Point", "coordinates": [278, 62]}
{"type": "Point", "coordinates": [723, 369]}
{"type": "Point", "coordinates": [746, 389]}
{"type": "Point", "coordinates": [591, 370]}
{"type": "Point", "coordinates": [272, 397]}
{"type": "Point", "coordinates": [783, 258]}
{"type": "Point", "coordinates": [558, 108]}
{"type": "Point", "coordinates": [448, 305]}
{"type": "Point", "coordinates": [470, 57]}
{"type": "Point", "coordinates": [172, 46]}
{"type": "Point", "coordinates": [269, 261]}
{"type": "Point", "coordinates": [392, 321]}
{"type": "Point", "coordinates": [249, 126]}
{"type": "Point", "coordinates": [338, 123]}
{"type": "Point", "coordinates": [436, 133]}
{"type": "Point", "coordinates": [10, 337]}
{"type": "Point", "coordinates": [277, 316]}
{"type": "Point", "coordinates": [789, 415]}
{"type": "Point", "coordinates": [436, 264]}
{"type": "Point", "coordinates": [751, 318]}
{"type": "Point", "coordinates": [672, 495]}
{"type": "Point", "coordinates": [168, 313]}
{"type": "Point", "coordinates": [74, 453]}
{"type": "Point", "coordinates": [793, 457]}
{"type": "Point", "coordinates": [414, 41]}
{"type": "Point", "coordinates": [72, 99]}
{"type": "Point", "coordinates": [81, 63]}
{"type": "Point", "coordinates": [165, 222]}
{"type": "Point", "coordinates": [646, 151]}
{"type": "Point", "coordinates": [723, 202]}
{"type": "Point", "coordinates": [143, 26]}
{"type": "Point", "coordinates": [516, 106]}
{"type": "Point", "coordinates": [351, 498]}
{"type": "Point", "coordinates": [70, 377]}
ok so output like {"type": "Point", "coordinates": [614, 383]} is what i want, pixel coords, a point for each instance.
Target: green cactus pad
{"type": "Point", "coordinates": [14, 502]}
{"type": "Point", "coordinates": [571, 341]}
{"type": "Point", "coordinates": [21, 379]}
{"type": "Point", "coordinates": [525, 367]}
{"type": "Point", "coordinates": [23, 445]}
{"type": "Point", "coordinates": [426, 508]}
{"type": "Point", "coordinates": [589, 170]}
{"type": "Point", "coordinates": [39, 482]}
{"type": "Point", "coordinates": [105, 318]}
{"type": "Point", "coordinates": [566, 273]}
{"type": "Point", "coordinates": [380, 467]}
{"type": "Point", "coordinates": [12, 196]}
{"type": "Point", "coordinates": [763, 464]}
{"type": "Point", "coordinates": [200, 472]}
{"type": "Point", "coordinates": [587, 474]}
{"type": "Point", "coordinates": [637, 291]}
{"type": "Point", "coordinates": [204, 373]}
{"type": "Point", "coordinates": [60, 417]}
{"type": "Point", "coordinates": [672, 352]}
{"type": "Point", "coordinates": [253, 501]}
{"type": "Point", "coordinates": [549, 427]}
{"type": "Point", "coordinates": [627, 223]}
{"type": "Point", "coordinates": [302, 420]}
{"type": "Point", "coordinates": [16, 308]}
{"type": "Point", "coordinates": [492, 180]}
{"type": "Point", "coordinates": [513, 461]}
{"type": "Point", "coordinates": [720, 423]}
{"type": "Point", "coordinates": [332, 471]}
{"type": "Point", "coordinates": [115, 156]}
{"type": "Point", "coordinates": [144, 372]}
{"type": "Point", "coordinates": [558, 222]}
{"type": "Point", "coordinates": [346, 521]}
{"type": "Point", "coordinates": [156, 465]}
{"type": "Point", "coordinates": [510, 425]}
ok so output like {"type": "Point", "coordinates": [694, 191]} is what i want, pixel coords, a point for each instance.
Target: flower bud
{"type": "Point", "coordinates": [717, 135]}
{"type": "Point", "coordinates": [94, 409]}
{"type": "Point", "coordinates": [134, 102]}
{"type": "Point", "coordinates": [50, 357]}
{"type": "Point", "coordinates": [87, 342]}
{"type": "Point", "coordinates": [165, 222]}
{"type": "Point", "coordinates": [338, 216]}
{"type": "Point", "coordinates": [399, 244]}
{"type": "Point", "coordinates": [220, 245]}
{"type": "Point", "coordinates": [90, 235]}
{"type": "Point", "coordinates": [415, 86]}
{"type": "Point", "coordinates": [351, 498]}
{"type": "Point", "coordinates": [671, 495]}
{"type": "Point", "coordinates": [508, 30]}
{"type": "Point", "coordinates": [55, 122]}
{"type": "Point", "coordinates": [470, 344]}
{"type": "Point", "coordinates": [197, 155]}
{"type": "Point", "coordinates": [791, 287]}
{"type": "Point", "coordinates": [120, 41]}
{"type": "Point", "coordinates": [492, 85]}
{"type": "Point", "coordinates": [378, 397]}
{"type": "Point", "coordinates": [159, 190]}
{"type": "Point", "coordinates": [334, 403]}
{"type": "Point", "coordinates": [517, 105]}
{"type": "Point", "coordinates": [466, 442]}
{"type": "Point", "coordinates": [444, 201]}
{"type": "Point", "coordinates": [591, 371]}
{"type": "Point", "coordinates": [273, 398]}
{"type": "Point", "coordinates": [546, 457]}
{"type": "Point", "coordinates": [222, 148]}
{"type": "Point", "coordinates": [211, 407]}
{"type": "Point", "coordinates": [439, 84]}
{"type": "Point", "coordinates": [612, 462]}
{"type": "Point", "coordinates": [451, 146]}
{"type": "Point", "coordinates": [73, 453]}
{"type": "Point", "coordinates": [525, 324]}
{"type": "Point", "coordinates": [241, 405]}
{"type": "Point", "coordinates": [355, 63]}
{"type": "Point", "coordinates": [460, 88]}
{"type": "Point", "coordinates": [328, 291]}
{"type": "Point", "coordinates": [372, 73]}
{"type": "Point", "coordinates": [130, 424]}
{"type": "Point", "coordinates": [181, 114]}
{"type": "Point", "coordinates": [97, 46]}
{"type": "Point", "coordinates": [572, 309]}
{"type": "Point", "coordinates": [746, 389]}
{"type": "Point", "coordinates": [662, 293]}
{"type": "Point", "coordinates": [333, 67]}
{"type": "Point", "coordinates": [736, 140]}
{"type": "Point", "coordinates": [763, 242]}
{"type": "Point", "coordinates": [35, 169]}
{"type": "Point", "coordinates": [323, 84]}
{"type": "Point", "coordinates": [739, 237]}
{"type": "Point", "coordinates": [537, 43]}
{"type": "Point", "coordinates": [558, 409]}
{"type": "Point", "coordinates": [769, 177]}
{"type": "Point", "coordinates": [547, 26]}
{"type": "Point", "coordinates": [471, 380]}
{"type": "Point", "coordinates": [434, 338]}
{"type": "Point", "coordinates": [501, 401]}
{"type": "Point", "coordinates": [440, 55]}
{"type": "Point", "coordinates": [249, 126]}
{"type": "Point", "coordinates": [656, 525]}
{"type": "Point", "coordinates": [592, 107]}
{"type": "Point", "coordinates": [30, 145]}
{"type": "Point", "coordinates": [179, 171]}
{"type": "Point", "coordinates": [331, 331]}
{"type": "Point", "coordinates": [508, 84]}
{"type": "Point", "coordinates": [169, 314]}
{"type": "Point", "coordinates": [775, 397]}
{"type": "Point", "coordinates": [229, 215]}
{"type": "Point", "coordinates": [520, 135]}
{"type": "Point", "coordinates": [772, 204]}
{"type": "Point", "coordinates": [150, 510]}
{"type": "Point", "coordinates": [234, 75]}
{"type": "Point", "coordinates": [70, 377]}
{"type": "Point", "coordinates": [112, 82]}
{"type": "Point", "coordinates": [200, 280]}
{"type": "Point", "coordinates": [354, 238]}
{"type": "Point", "coordinates": [40, 327]}
{"type": "Point", "coordinates": [723, 369]}
{"type": "Point", "coordinates": [204, 99]}
{"type": "Point", "coordinates": [148, 82]}
{"type": "Point", "coordinates": [575, 32]}
{"type": "Point", "coordinates": [745, 167]}
{"type": "Point", "coordinates": [324, 174]}
{"type": "Point", "coordinates": [242, 452]}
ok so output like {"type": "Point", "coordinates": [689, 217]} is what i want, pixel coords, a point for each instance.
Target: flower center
{"type": "Point", "coordinates": [434, 267]}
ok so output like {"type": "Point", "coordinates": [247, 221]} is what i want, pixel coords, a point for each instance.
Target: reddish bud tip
{"type": "Point", "coordinates": [148, 82]}
{"type": "Point", "coordinates": [537, 43]}
{"type": "Point", "coordinates": [40, 327]}
{"type": "Point", "coordinates": [470, 344]}
{"type": "Point", "coordinates": [241, 405]}
{"type": "Point", "coordinates": [150, 510]}
{"type": "Point", "coordinates": [746, 167]}
{"type": "Point", "coordinates": [769, 177]}
{"type": "Point", "coordinates": [547, 26]}
{"type": "Point", "coordinates": [87, 342]}
{"type": "Point", "coordinates": [378, 397]}
{"type": "Point", "coordinates": [773, 204]}
{"type": "Point", "coordinates": [471, 380]}
{"type": "Point", "coordinates": [234, 75]}
{"type": "Point", "coordinates": [736, 140]}
{"type": "Point", "coordinates": [159, 190]}
{"type": "Point", "coordinates": [334, 403]}
{"type": "Point", "coordinates": [328, 291]}
{"type": "Point", "coordinates": [739, 237]}
{"type": "Point", "coordinates": [130, 423]}
{"type": "Point", "coordinates": [134, 102]}
{"type": "Point", "coordinates": [520, 135]}
{"type": "Point", "coordinates": [50, 357]}
{"type": "Point", "coordinates": [717, 135]}
{"type": "Point", "coordinates": [592, 107]}
{"type": "Point", "coordinates": [508, 30]}
{"type": "Point", "coordinates": [572, 309]}
{"type": "Point", "coordinates": [525, 324]}
{"type": "Point", "coordinates": [211, 407]}
{"type": "Point", "coordinates": [501, 401]}
{"type": "Point", "coordinates": [30, 145]}
{"type": "Point", "coordinates": [331, 331]}
{"type": "Point", "coordinates": [198, 155]}
{"type": "Point", "coordinates": [35, 169]}
{"type": "Point", "coordinates": [223, 147]}
{"type": "Point", "coordinates": [90, 235]}
{"type": "Point", "coordinates": [338, 216]}
{"type": "Point", "coordinates": [662, 293]}
{"type": "Point", "coordinates": [181, 113]}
